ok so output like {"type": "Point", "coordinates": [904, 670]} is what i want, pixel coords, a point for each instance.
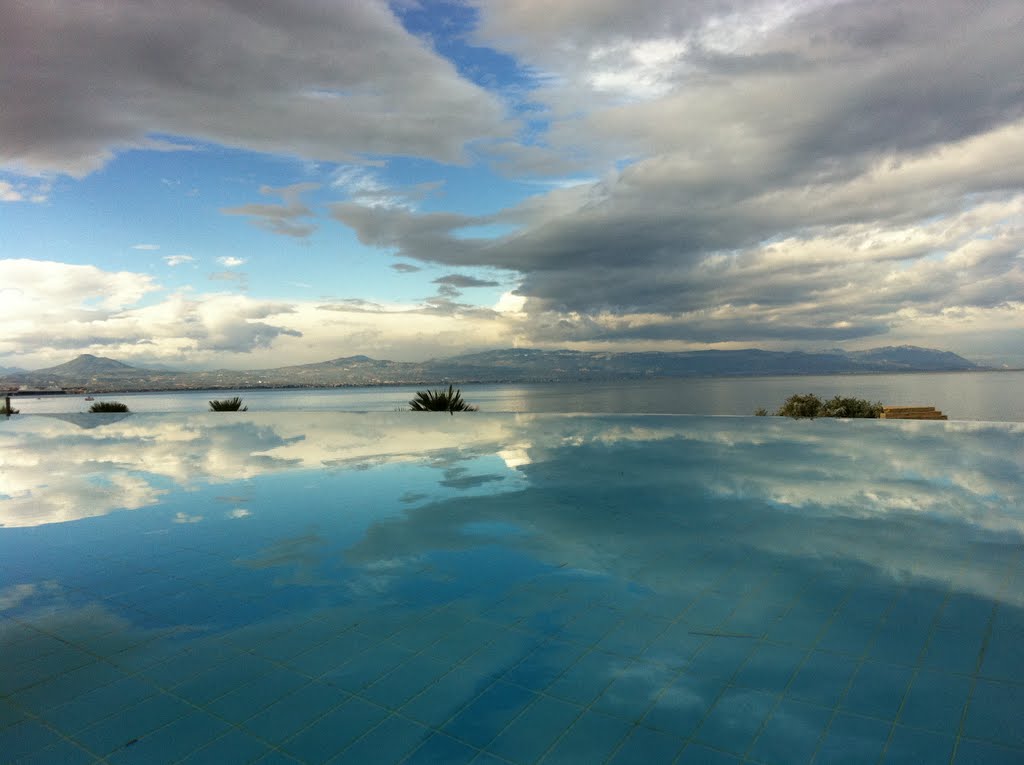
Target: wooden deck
{"type": "Point", "coordinates": [912, 413]}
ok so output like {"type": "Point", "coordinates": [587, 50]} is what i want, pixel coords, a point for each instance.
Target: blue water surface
{"type": "Point", "coordinates": [413, 588]}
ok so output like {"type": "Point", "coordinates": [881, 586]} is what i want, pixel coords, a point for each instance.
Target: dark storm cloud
{"type": "Point", "coordinates": [462, 281]}
{"type": "Point", "coordinates": [810, 172]}
{"type": "Point", "coordinates": [318, 79]}
{"type": "Point", "coordinates": [448, 291]}
{"type": "Point", "coordinates": [413, 235]}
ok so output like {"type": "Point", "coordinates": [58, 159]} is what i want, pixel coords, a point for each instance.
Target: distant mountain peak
{"type": "Point", "coordinates": [88, 364]}
{"type": "Point", "coordinates": [913, 357]}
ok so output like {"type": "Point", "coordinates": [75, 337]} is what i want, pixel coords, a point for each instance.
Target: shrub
{"type": "Point", "coordinates": [228, 405]}
{"type": "Point", "coordinates": [852, 407]}
{"type": "Point", "coordinates": [760, 412]}
{"type": "Point", "coordinates": [7, 409]}
{"type": "Point", "coordinates": [106, 407]}
{"type": "Point", "coordinates": [440, 401]}
{"type": "Point", "coordinates": [809, 405]}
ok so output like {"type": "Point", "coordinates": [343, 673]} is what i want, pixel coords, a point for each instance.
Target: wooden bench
{"type": "Point", "coordinates": [912, 413]}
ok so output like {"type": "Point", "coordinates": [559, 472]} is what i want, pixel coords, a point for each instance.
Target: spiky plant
{"type": "Point", "coordinates": [106, 407]}
{"type": "Point", "coordinates": [440, 401]}
{"type": "Point", "coordinates": [7, 409]}
{"type": "Point", "coordinates": [228, 405]}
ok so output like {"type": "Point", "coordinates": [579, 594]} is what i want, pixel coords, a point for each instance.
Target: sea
{"type": "Point", "coordinates": [996, 396]}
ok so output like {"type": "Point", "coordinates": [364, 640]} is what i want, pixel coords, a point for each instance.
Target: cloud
{"type": "Point", "coordinates": [178, 260]}
{"type": "Point", "coordinates": [519, 160]}
{"type": "Point", "coordinates": [306, 79]}
{"type": "Point", "coordinates": [145, 246]}
{"type": "Point", "coordinates": [35, 190]}
{"type": "Point", "coordinates": [364, 185]}
{"type": "Point", "coordinates": [58, 308]}
{"type": "Point", "coordinates": [280, 219]}
{"type": "Point", "coordinates": [461, 281]}
{"type": "Point", "coordinates": [448, 291]}
{"type": "Point", "coordinates": [8, 193]}
{"type": "Point", "coordinates": [240, 278]}
{"type": "Point", "coordinates": [354, 305]}
{"type": "Point", "coordinates": [47, 287]}
{"type": "Point", "coordinates": [230, 261]}
{"type": "Point", "coordinates": [763, 171]}
{"type": "Point", "coordinates": [785, 174]}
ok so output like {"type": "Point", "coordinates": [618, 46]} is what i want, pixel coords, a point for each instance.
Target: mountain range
{"type": "Point", "coordinates": [100, 374]}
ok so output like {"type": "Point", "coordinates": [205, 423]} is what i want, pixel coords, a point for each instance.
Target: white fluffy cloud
{"type": "Point", "coordinates": [59, 310]}
{"type": "Point", "coordinates": [25, 190]}
{"type": "Point", "coordinates": [8, 193]}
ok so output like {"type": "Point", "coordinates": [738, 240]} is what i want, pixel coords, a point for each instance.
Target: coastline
{"type": "Point", "coordinates": [978, 396]}
{"type": "Point", "coordinates": [78, 388]}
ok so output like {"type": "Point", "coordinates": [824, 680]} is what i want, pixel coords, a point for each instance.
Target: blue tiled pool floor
{"type": "Point", "coordinates": [555, 670]}
{"type": "Point", "coordinates": [547, 621]}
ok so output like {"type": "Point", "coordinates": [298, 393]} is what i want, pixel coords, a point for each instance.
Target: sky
{"type": "Point", "coordinates": [222, 183]}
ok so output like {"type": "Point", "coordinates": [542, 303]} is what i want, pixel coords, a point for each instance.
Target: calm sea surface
{"type": "Point", "coordinates": [992, 396]}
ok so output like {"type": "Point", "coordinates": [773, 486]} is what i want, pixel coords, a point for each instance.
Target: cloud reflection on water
{"type": "Point", "coordinates": [631, 497]}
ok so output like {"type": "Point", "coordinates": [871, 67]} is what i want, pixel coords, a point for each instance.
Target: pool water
{"type": "Point", "coordinates": [415, 588]}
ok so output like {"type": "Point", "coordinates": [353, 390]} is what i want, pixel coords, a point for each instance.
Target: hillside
{"type": "Point", "coordinates": [97, 373]}
{"type": "Point", "coordinates": [87, 366]}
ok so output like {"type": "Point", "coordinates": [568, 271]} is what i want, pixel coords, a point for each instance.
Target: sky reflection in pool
{"type": "Point", "coordinates": [416, 588]}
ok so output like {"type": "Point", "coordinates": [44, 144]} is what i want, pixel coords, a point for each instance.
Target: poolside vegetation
{"type": "Point", "coordinates": [228, 405]}
{"type": "Point", "coordinates": [810, 406]}
{"type": "Point", "coordinates": [7, 409]}
{"type": "Point", "coordinates": [106, 407]}
{"type": "Point", "coordinates": [440, 401]}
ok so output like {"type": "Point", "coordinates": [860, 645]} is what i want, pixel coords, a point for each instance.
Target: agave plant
{"type": "Point", "coordinates": [108, 406]}
{"type": "Point", "coordinates": [228, 405]}
{"type": "Point", "coordinates": [440, 401]}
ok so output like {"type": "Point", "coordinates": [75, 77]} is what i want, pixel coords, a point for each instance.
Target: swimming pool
{"type": "Point", "coordinates": [412, 588]}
